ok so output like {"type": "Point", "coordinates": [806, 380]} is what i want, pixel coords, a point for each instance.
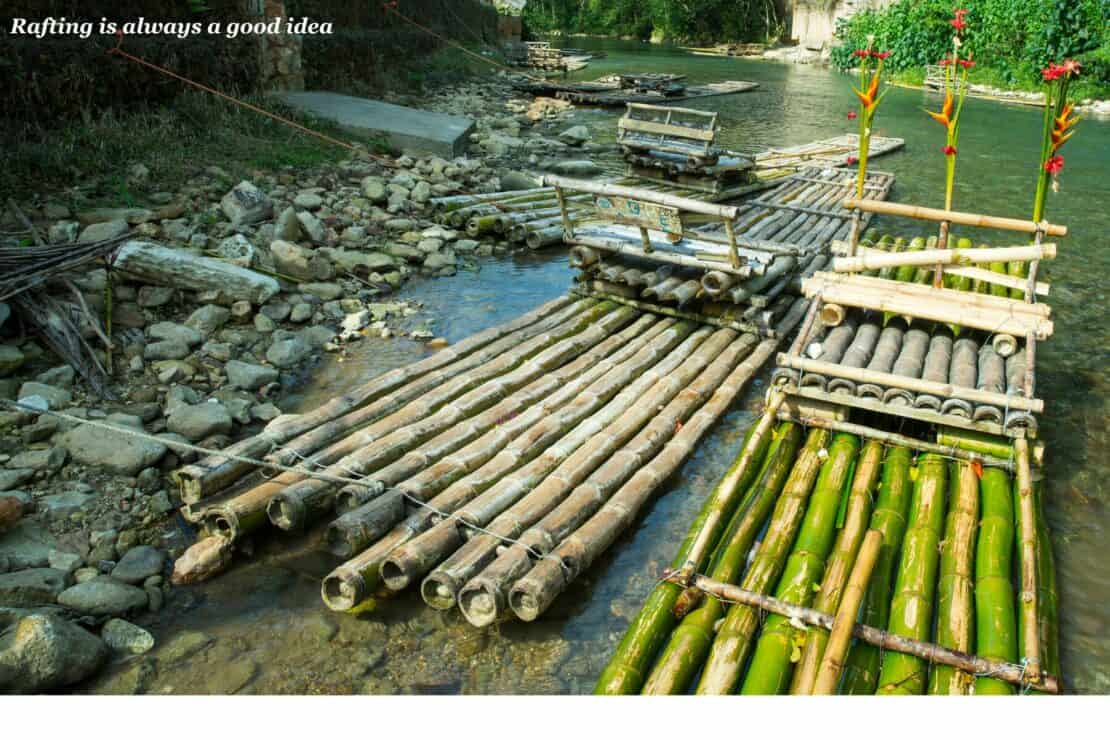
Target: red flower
{"type": "Point", "coordinates": [949, 151]}
{"type": "Point", "coordinates": [851, 160]}
{"type": "Point", "coordinates": [1054, 165]}
{"type": "Point", "coordinates": [1052, 72]}
{"type": "Point", "coordinates": [884, 54]}
{"type": "Point", "coordinates": [945, 62]}
{"type": "Point", "coordinates": [1070, 66]}
{"type": "Point", "coordinates": [958, 24]}
{"type": "Point", "coordinates": [851, 115]}
{"type": "Point", "coordinates": [861, 53]}
{"type": "Point", "coordinates": [966, 63]}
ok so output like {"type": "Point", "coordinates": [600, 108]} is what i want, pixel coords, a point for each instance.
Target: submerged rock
{"type": "Point", "coordinates": [41, 652]}
{"type": "Point", "coordinates": [32, 587]}
{"type": "Point", "coordinates": [124, 637]}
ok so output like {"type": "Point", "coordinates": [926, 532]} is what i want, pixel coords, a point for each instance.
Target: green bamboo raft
{"type": "Point", "coordinates": [882, 529]}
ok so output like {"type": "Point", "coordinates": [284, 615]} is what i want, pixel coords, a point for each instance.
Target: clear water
{"type": "Point", "coordinates": [262, 628]}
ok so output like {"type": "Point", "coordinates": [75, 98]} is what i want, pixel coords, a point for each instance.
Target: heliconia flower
{"type": "Point", "coordinates": [869, 98]}
{"type": "Point", "coordinates": [881, 55]}
{"type": "Point", "coordinates": [944, 118]}
{"type": "Point", "coordinates": [1052, 72]}
{"type": "Point", "coordinates": [851, 160]}
{"type": "Point", "coordinates": [1071, 66]}
{"type": "Point", "coordinates": [958, 23]}
{"type": "Point", "coordinates": [861, 53]}
{"type": "Point", "coordinates": [1054, 165]}
{"type": "Point", "coordinates": [851, 115]}
{"type": "Point", "coordinates": [1061, 126]}
{"type": "Point", "coordinates": [966, 63]}
{"type": "Point", "coordinates": [945, 62]}
{"type": "Point", "coordinates": [949, 151]}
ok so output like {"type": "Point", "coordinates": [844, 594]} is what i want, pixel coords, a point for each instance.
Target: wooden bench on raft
{"type": "Point", "coordinates": [541, 55]}
{"type": "Point", "coordinates": [1011, 324]}
{"type": "Point", "coordinates": [677, 145]}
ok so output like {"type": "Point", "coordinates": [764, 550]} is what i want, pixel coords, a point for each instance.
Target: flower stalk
{"type": "Point", "coordinates": [1059, 125]}
{"type": "Point", "coordinates": [955, 91]}
{"type": "Point", "coordinates": [870, 78]}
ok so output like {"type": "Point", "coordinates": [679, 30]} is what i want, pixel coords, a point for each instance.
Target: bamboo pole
{"type": "Point", "coordinates": [853, 527]}
{"type": "Point", "coordinates": [1026, 505]}
{"type": "Point", "coordinates": [840, 635]}
{"type": "Point", "coordinates": [683, 204]}
{"type": "Point", "coordinates": [216, 472]}
{"type": "Point", "coordinates": [1047, 620]}
{"type": "Point", "coordinates": [627, 668]}
{"type": "Point", "coordinates": [690, 641]}
{"type": "Point", "coordinates": [532, 594]}
{"type": "Point", "coordinates": [771, 669]}
{"type": "Point", "coordinates": [955, 217]}
{"type": "Point", "coordinates": [739, 596]}
{"type": "Point", "coordinates": [875, 259]}
{"type": "Point", "coordinates": [729, 651]}
{"type": "Point", "coordinates": [917, 385]}
{"type": "Point", "coordinates": [955, 627]}
{"type": "Point", "coordinates": [912, 608]}
{"type": "Point", "coordinates": [996, 627]}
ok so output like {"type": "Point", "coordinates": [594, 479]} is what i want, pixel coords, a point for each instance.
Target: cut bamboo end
{"type": "Point", "coordinates": [832, 314]}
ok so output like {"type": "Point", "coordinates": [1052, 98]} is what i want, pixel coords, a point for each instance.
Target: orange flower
{"type": "Point", "coordinates": [869, 98]}
{"type": "Point", "coordinates": [1061, 126]}
{"type": "Point", "coordinates": [944, 118]}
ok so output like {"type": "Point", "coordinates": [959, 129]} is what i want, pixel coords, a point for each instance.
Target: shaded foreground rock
{"type": "Point", "coordinates": [103, 596]}
{"type": "Point", "coordinates": [41, 652]}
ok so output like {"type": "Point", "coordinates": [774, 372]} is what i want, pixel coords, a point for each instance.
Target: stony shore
{"type": "Point", "coordinates": [88, 530]}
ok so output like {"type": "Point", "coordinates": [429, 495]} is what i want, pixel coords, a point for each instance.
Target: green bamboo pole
{"type": "Point", "coordinates": [771, 667]}
{"type": "Point", "coordinates": [905, 273]}
{"type": "Point", "coordinates": [857, 512]}
{"type": "Point", "coordinates": [955, 591]}
{"type": "Point", "coordinates": [629, 665]}
{"type": "Point", "coordinates": [1047, 617]}
{"type": "Point", "coordinates": [861, 672]}
{"type": "Point", "coordinates": [689, 643]}
{"type": "Point", "coordinates": [995, 619]}
{"type": "Point", "coordinates": [911, 610]}
{"type": "Point", "coordinates": [899, 245]}
{"type": "Point", "coordinates": [733, 641]}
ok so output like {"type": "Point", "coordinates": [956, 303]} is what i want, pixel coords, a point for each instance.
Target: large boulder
{"type": "Point", "coordinates": [41, 652]}
{"type": "Point", "coordinates": [246, 204]}
{"type": "Point", "coordinates": [103, 596]}
{"type": "Point", "coordinates": [121, 453]}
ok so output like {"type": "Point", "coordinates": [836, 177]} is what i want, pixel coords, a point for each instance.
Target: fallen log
{"type": "Point", "coordinates": [179, 268]}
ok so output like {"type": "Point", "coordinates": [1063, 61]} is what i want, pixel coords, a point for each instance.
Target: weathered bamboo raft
{"type": "Point", "coordinates": [617, 90]}
{"type": "Point", "coordinates": [907, 379]}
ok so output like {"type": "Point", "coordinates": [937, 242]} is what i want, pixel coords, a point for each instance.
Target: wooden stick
{"type": "Point", "coordinates": [1009, 672]}
{"type": "Point", "coordinates": [1030, 648]}
{"type": "Point", "coordinates": [873, 259]}
{"type": "Point", "coordinates": [840, 638]}
{"type": "Point", "coordinates": [956, 217]}
{"type": "Point", "coordinates": [917, 385]}
{"type": "Point", "coordinates": [832, 314]}
{"type": "Point", "coordinates": [683, 204]}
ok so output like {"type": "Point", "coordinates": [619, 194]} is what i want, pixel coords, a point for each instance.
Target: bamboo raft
{"type": "Point", "coordinates": [618, 90]}
{"type": "Point", "coordinates": [532, 217]}
{"type": "Point", "coordinates": [895, 473]}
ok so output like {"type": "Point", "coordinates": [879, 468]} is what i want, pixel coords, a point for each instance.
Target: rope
{"type": "Point", "coordinates": [117, 50]}
{"type": "Point", "coordinates": [355, 479]}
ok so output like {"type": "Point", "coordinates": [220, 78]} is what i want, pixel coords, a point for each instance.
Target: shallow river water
{"type": "Point", "coordinates": [261, 628]}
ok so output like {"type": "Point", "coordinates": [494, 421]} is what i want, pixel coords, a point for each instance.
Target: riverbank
{"type": "Point", "coordinates": [88, 528]}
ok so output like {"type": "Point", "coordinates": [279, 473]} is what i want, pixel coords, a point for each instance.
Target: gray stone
{"type": "Point", "coordinates": [238, 250]}
{"type": "Point", "coordinates": [265, 412]}
{"type": "Point", "coordinates": [67, 562]}
{"type": "Point", "coordinates": [11, 359]}
{"type": "Point", "coordinates": [124, 637]}
{"type": "Point", "coordinates": [301, 313]}
{"type": "Point", "coordinates": [63, 232]}
{"type": "Point", "coordinates": [184, 645]}
{"type": "Point", "coordinates": [292, 260]}
{"type": "Point", "coordinates": [103, 596]}
{"type": "Point", "coordinates": [351, 261]}
{"type": "Point", "coordinates": [264, 324]}
{"type": "Point", "coordinates": [61, 376]}
{"type": "Point", "coordinates": [50, 459]}
{"type": "Point", "coordinates": [60, 506]}
{"type": "Point", "coordinates": [309, 201]}
{"type": "Point", "coordinates": [199, 421]}
{"type": "Point", "coordinates": [27, 545]}
{"type": "Point", "coordinates": [374, 189]}
{"type": "Point", "coordinates": [155, 296]}
{"type": "Point", "coordinates": [32, 587]}
{"type": "Point", "coordinates": [277, 311]}
{"type": "Point", "coordinates": [287, 353]}
{"type": "Point", "coordinates": [42, 652]}
{"type": "Point", "coordinates": [57, 397]}
{"type": "Point", "coordinates": [246, 204]}
{"type": "Point", "coordinates": [85, 574]}
{"type": "Point", "coordinates": [312, 226]}
{"type": "Point", "coordinates": [517, 181]}
{"type": "Point", "coordinates": [171, 332]}
{"type": "Point", "coordinates": [166, 350]}
{"type": "Point", "coordinates": [207, 319]}
{"type": "Point", "coordinates": [575, 136]}
{"type": "Point", "coordinates": [102, 231]}
{"type": "Point", "coordinates": [465, 245]}
{"type": "Point", "coordinates": [288, 227]}
{"type": "Point", "coordinates": [323, 291]}
{"type": "Point", "coordinates": [15, 477]}
{"type": "Point", "coordinates": [576, 168]}
{"type": "Point", "coordinates": [121, 453]}
{"type": "Point", "coordinates": [422, 192]}
{"type": "Point", "coordinates": [250, 377]}
{"type": "Point", "coordinates": [138, 564]}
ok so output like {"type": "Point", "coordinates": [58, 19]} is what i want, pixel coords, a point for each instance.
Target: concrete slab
{"type": "Point", "coordinates": [407, 128]}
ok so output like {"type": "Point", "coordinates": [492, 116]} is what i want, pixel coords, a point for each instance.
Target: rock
{"type": "Point", "coordinates": [517, 181]}
{"type": "Point", "coordinates": [11, 479]}
{"type": "Point", "coordinates": [122, 453]}
{"type": "Point", "coordinates": [250, 377]}
{"type": "Point", "coordinates": [5, 312]}
{"type": "Point", "coordinates": [85, 574]}
{"type": "Point", "coordinates": [138, 564]}
{"type": "Point", "coordinates": [103, 231]}
{"type": "Point", "coordinates": [575, 136]}
{"type": "Point", "coordinates": [184, 645]}
{"type": "Point", "coordinates": [167, 350]}
{"type": "Point", "coordinates": [288, 227]}
{"type": "Point", "coordinates": [360, 262]}
{"type": "Point", "coordinates": [323, 291]}
{"type": "Point", "coordinates": [155, 296]}
{"type": "Point", "coordinates": [203, 560]}
{"type": "Point", "coordinates": [264, 324]}
{"type": "Point", "coordinates": [61, 376]}
{"type": "Point", "coordinates": [56, 397]}
{"type": "Point", "coordinates": [124, 637]}
{"type": "Point", "coordinates": [63, 232]}
{"type": "Point", "coordinates": [238, 250]}
{"type": "Point", "coordinates": [422, 192]}
{"type": "Point", "coordinates": [67, 562]}
{"type": "Point", "coordinates": [576, 168]}
{"type": "Point", "coordinates": [246, 204]}
{"type": "Point", "coordinates": [171, 332]}
{"type": "Point", "coordinates": [231, 677]}
{"type": "Point", "coordinates": [61, 506]}
{"type": "Point", "coordinates": [292, 260]}
{"type": "Point", "coordinates": [312, 226]}
{"type": "Point", "coordinates": [11, 511]}
{"type": "Point", "coordinates": [241, 311]}
{"type": "Point", "coordinates": [440, 260]}
{"type": "Point", "coordinates": [11, 359]}
{"type": "Point", "coordinates": [301, 313]}
{"type": "Point", "coordinates": [103, 596]}
{"type": "Point", "coordinates": [374, 189]}
{"type": "Point", "coordinates": [27, 544]}
{"type": "Point", "coordinates": [50, 459]}
{"type": "Point", "coordinates": [43, 652]}
{"type": "Point", "coordinates": [208, 319]}
{"type": "Point", "coordinates": [427, 246]}
{"type": "Point", "coordinates": [265, 412]}
{"type": "Point", "coordinates": [289, 352]}
{"type": "Point", "coordinates": [308, 201]}
{"type": "Point", "coordinates": [32, 587]}
{"type": "Point", "coordinates": [465, 245]}
{"type": "Point", "coordinates": [200, 421]}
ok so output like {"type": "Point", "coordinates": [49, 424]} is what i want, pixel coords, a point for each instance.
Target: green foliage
{"type": "Point", "coordinates": [1015, 38]}
{"type": "Point", "coordinates": [685, 20]}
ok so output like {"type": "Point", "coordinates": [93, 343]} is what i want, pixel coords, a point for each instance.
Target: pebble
{"type": "Point", "coordinates": [124, 637]}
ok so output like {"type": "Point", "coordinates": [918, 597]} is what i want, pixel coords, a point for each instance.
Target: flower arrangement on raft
{"type": "Point", "coordinates": [870, 78]}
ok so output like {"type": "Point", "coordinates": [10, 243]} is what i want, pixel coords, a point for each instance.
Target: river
{"type": "Point", "coordinates": [261, 628]}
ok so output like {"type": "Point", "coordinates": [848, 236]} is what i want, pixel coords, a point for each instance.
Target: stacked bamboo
{"type": "Point", "coordinates": [493, 473]}
{"type": "Point", "coordinates": [927, 566]}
